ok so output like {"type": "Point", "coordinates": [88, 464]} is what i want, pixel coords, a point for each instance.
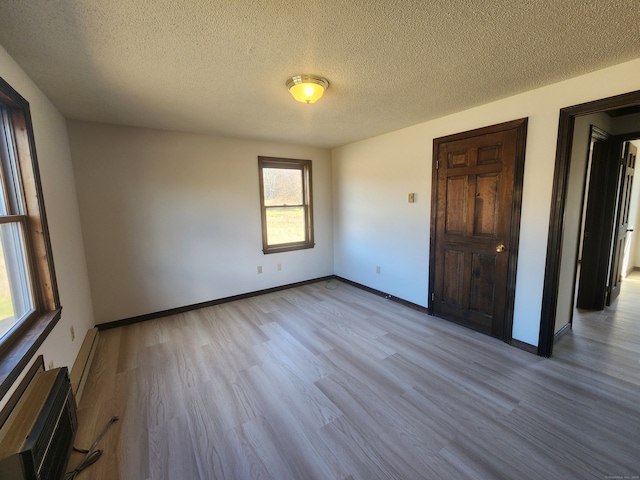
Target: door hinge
{"type": "Point", "coordinates": [433, 296]}
{"type": "Point", "coordinates": [437, 164]}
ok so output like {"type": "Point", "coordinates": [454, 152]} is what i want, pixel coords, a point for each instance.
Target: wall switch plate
{"type": "Point", "coordinates": [73, 333]}
{"type": "Point", "coordinates": [260, 269]}
{"type": "Point", "coordinates": [412, 198]}
{"type": "Point", "coordinates": [377, 269]}
{"type": "Point", "coordinates": [279, 267]}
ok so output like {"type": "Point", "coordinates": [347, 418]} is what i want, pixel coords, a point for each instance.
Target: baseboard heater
{"type": "Point", "coordinates": [37, 438]}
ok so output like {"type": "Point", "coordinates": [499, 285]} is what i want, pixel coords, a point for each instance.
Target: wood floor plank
{"type": "Point", "coordinates": [369, 422]}
{"type": "Point", "coordinates": [285, 349]}
{"type": "Point", "coordinates": [329, 382]}
{"type": "Point", "coordinates": [349, 341]}
{"type": "Point", "coordinates": [291, 426]}
{"type": "Point", "coordinates": [295, 396]}
{"type": "Point", "coordinates": [171, 451]}
{"type": "Point", "coordinates": [132, 432]}
{"type": "Point", "coordinates": [219, 452]}
{"type": "Point", "coordinates": [359, 454]}
{"type": "Point", "coordinates": [261, 453]}
{"type": "Point", "coordinates": [303, 325]}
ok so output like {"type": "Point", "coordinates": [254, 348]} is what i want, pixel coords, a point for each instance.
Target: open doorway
{"type": "Point", "coordinates": [568, 199]}
{"type": "Point", "coordinates": [609, 214]}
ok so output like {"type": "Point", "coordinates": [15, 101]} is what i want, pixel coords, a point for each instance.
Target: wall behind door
{"type": "Point", "coordinates": [632, 255]}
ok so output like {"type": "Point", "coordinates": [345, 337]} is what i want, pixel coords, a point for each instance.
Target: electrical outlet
{"type": "Point", "coordinates": [279, 267]}
{"type": "Point", "coordinates": [260, 269]}
{"type": "Point", "coordinates": [378, 269]}
{"type": "Point", "coordinates": [73, 333]}
{"type": "Point", "coordinates": [51, 366]}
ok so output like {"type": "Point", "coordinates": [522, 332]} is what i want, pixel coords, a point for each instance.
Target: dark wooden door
{"type": "Point", "coordinates": [625, 182]}
{"type": "Point", "coordinates": [477, 185]}
{"type": "Point", "coordinates": [598, 223]}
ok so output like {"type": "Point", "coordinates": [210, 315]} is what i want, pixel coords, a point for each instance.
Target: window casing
{"type": "Point", "coordinates": [286, 204]}
{"type": "Point", "coordinates": [29, 301]}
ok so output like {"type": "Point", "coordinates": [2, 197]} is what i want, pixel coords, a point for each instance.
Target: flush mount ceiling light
{"type": "Point", "coordinates": [307, 88]}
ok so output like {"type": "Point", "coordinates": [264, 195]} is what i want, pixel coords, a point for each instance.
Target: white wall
{"type": "Point", "coordinates": [633, 254]}
{"type": "Point", "coordinates": [61, 206]}
{"type": "Point", "coordinates": [375, 226]}
{"type": "Point", "coordinates": [172, 219]}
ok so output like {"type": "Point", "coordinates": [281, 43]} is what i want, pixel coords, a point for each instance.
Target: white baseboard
{"type": "Point", "coordinates": [81, 366]}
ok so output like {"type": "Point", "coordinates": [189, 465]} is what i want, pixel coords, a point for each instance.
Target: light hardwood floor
{"type": "Point", "coordinates": [313, 383]}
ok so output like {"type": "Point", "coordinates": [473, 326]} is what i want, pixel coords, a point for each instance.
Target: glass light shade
{"type": "Point", "coordinates": [307, 88]}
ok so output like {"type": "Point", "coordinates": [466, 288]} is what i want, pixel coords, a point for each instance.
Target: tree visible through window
{"type": "Point", "coordinates": [285, 191]}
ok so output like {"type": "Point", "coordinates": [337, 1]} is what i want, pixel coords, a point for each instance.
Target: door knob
{"type": "Point", "coordinates": [500, 248]}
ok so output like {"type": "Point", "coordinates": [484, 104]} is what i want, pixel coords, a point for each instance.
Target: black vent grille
{"type": "Point", "coordinates": [39, 440]}
{"type": "Point", "coordinates": [54, 462]}
{"type": "Point", "coordinates": [45, 428]}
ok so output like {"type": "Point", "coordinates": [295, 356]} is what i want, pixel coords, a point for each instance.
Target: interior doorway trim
{"type": "Point", "coordinates": [560, 181]}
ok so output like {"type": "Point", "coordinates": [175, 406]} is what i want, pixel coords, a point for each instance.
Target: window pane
{"type": "Point", "coordinates": [282, 186]}
{"type": "Point", "coordinates": [11, 198]}
{"type": "Point", "coordinates": [16, 299]}
{"type": "Point", "coordinates": [285, 225]}
{"type": "Point", "coordinates": [6, 156]}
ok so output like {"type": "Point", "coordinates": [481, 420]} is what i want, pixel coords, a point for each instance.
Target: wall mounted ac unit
{"type": "Point", "coordinates": [37, 438]}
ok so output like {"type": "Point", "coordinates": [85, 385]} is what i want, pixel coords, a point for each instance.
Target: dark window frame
{"type": "Point", "coordinates": [293, 164]}
{"type": "Point", "coordinates": [20, 344]}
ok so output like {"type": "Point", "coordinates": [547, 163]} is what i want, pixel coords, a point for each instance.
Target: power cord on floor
{"type": "Point", "coordinates": [92, 455]}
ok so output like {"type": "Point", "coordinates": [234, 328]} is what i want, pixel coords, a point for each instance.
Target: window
{"type": "Point", "coordinates": [16, 294]}
{"type": "Point", "coordinates": [29, 302]}
{"type": "Point", "coordinates": [285, 196]}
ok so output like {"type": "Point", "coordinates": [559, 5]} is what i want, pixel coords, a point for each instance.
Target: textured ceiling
{"type": "Point", "coordinates": [219, 67]}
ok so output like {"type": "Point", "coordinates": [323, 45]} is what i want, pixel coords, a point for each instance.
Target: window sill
{"type": "Point", "coordinates": [287, 248]}
{"type": "Point", "coordinates": [15, 358]}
